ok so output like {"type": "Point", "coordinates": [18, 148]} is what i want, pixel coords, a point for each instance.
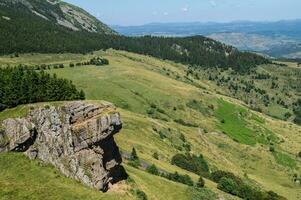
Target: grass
{"type": "Point", "coordinates": [134, 83]}
{"type": "Point", "coordinates": [284, 160]}
{"type": "Point", "coordinates": [21, 178]}
{"type": "Point", "coordinates": [233, 123]}
{"type": "Point", "coordinates": [165, 190]}
{"type": "Point", "coordinates": [19, 111]}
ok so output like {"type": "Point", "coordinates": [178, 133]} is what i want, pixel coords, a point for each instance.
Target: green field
{"type": "Point", "coordinates": [153, 94]}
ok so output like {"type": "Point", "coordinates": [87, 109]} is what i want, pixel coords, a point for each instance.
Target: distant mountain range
{"type": "Point", "coordinates": [278, 39]}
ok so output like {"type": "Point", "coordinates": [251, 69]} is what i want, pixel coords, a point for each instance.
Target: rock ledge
{"type": "Point", "coordinates": [77, 138]}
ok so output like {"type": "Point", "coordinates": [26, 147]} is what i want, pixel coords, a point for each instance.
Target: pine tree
{"type": "Point", "coordinates": [134, 155]}
{"type": "Point", "coordinates": [200, 183]}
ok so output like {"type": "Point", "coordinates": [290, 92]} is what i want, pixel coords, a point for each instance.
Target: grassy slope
{"type": "Point", "coordinates": [21, 178]}
{"type": "Point", "coordinates": [135, 82]}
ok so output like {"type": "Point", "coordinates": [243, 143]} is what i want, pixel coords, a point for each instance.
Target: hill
{"type": "Point", "coordinates": [166, 112]}
{"type": "Point", "coordinates": [60, 13]}
{"type": "Point", "coordinates": [278, 39]}
{"type": "Point", "coordinates": [57, 27]}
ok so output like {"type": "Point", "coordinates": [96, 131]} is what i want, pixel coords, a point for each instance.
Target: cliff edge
{"type": "Point", "coordinates": [76, 137]}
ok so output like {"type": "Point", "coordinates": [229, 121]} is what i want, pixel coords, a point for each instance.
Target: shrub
{"type": "Point", "coordinates": [153, 170]}
{"type": "Point", "coordinates": [299, 154]}
{"type": "Point", "coordinates": [187, 147]}
{"type": "Point", "coordinates": [134, 163]}
{"type": "Point", "coordinates": [176, 177]}
{"type": "Point", "coordinates": [228, 185]}
{"type": "Point", "coordinates": [270, 195]}
{"type": "Point", "coordinates": [134, 155]}
{"type": "Point", "coordinates": [272, 149]}
{"type": "Point", "coordinates": [200, 183]}
{"type": "Point", "coordinates": [182, 137]}
{"type": "Point", "coordinates": [202, 194]}
{"type": "Point", "coordinates": [156, 156]}
{"type": "Point", "coordinates": [192, 163]}
{"type": "Point", "coordinates": [185, 123]}
{"type": "Point", "coordinates": [71, 65]}
{"type": "Point", "coordinates": [141, 195]}
{"type": "Point", "coordinates": [217, 175]}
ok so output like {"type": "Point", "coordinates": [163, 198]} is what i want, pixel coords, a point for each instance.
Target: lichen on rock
{"type": "Point", "coordinates": [77, 138]}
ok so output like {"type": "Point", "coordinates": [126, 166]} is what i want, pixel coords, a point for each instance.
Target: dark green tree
{"type": "Point", "coordinates": [200, 183]}
{"type": "Point", "coordinates": [153, 170]}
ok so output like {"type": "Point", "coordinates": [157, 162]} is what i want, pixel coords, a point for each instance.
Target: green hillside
{"type": "Point", "coordinates": [56, 27]}
{"type": "Point", "coordinates": [164, 111]}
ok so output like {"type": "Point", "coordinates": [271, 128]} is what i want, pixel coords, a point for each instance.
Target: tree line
{"type": "Point", "coordinates": [21, 86]}
{"type": "Point", "coordinates": [26, 32]}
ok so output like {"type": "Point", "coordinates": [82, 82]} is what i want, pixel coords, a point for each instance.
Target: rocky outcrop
{"type": "Point", "coordinates": [77, 138]}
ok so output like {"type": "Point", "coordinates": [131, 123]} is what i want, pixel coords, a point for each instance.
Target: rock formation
{"type": "Point", "coordinates": [77, 138]}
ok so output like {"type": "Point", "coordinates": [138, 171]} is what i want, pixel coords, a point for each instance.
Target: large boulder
{"type": "Point", "coordinates": [77, 138]}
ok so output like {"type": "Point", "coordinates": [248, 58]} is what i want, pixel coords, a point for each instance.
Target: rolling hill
{"type": "Point", "coordinates": [277, 39]}
{"type": "Point", "coordinates": [193, 110]}
{"type": "Point", "coordinates": [56, 27]}
{"type": "Point", "coordinates": [158, 104]}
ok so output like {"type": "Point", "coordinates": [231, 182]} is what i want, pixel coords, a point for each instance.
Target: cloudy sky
{"type": "Point", "coordinates": [137, 12]}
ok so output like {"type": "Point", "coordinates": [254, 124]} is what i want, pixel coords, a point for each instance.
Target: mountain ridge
{"type": "Point", "coordinates": [63, 14]}
{"type": "Point", "coordinates": [276, 38]}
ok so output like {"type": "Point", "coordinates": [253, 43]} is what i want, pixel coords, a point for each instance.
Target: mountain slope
{"type": "Point", "coordinates": [160, 106]}
{"type": "Point", "coordinates": [51, 27]}
{"type": "Point", "coordinates": [61, 13]}
{"type": "Point", "coordinates": [23, 29]}
{"type": "Point", "coordinates": [278, 39]}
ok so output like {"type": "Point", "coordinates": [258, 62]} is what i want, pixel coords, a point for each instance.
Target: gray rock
{"type": "Point", "coordinates": [76, 138]}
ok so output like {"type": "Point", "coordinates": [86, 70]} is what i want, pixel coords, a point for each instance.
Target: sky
{"type": "Point", "coordinates": [138, 12]}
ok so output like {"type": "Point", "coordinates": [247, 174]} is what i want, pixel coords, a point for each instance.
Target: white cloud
{"type": "Point", "coordinates": [165, 13]}
{"type": "Point", "coordinates": [185, 8]}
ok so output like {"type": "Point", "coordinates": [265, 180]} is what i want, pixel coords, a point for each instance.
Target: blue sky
{"type": "Point", "coordinates": [136, 12]}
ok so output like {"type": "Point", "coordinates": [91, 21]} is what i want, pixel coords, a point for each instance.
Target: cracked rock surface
{"type": "Point", "coordinates": [77, 138]}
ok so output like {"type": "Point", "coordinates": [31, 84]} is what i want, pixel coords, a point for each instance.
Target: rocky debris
{"type": "Point", "coordinates": [77, 138]}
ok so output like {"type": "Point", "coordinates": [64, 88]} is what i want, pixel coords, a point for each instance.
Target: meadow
{"type": "Point", "coordinates": [156, 97]}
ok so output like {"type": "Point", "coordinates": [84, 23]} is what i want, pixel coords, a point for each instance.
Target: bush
{"type": "Point", "coordinates": [217, 175]}
{"type": "Point", "coordinates": [153, 170]}
{"type": "Point", "coordinates": [228, 185]}
{"type": "Point", "coordinates": [185, 179]}
{"type": "Point", "coordinates": [156, 156]}
{"type": "Point", "coordinates": [176, 177]}
{"type": "Point", "coordinates": [182, 137]}
{"type": "Point", "coordinates": [270, 195]}
{"type": "Point", "coordinates": [134, 163]}
{"type": "Point", "coordinates": [141, 195]}
{"type": "Point", "coordinates": [200, 183]}
{"type": "Point", "coordinates": [134, 155]}
{"type": "Point", "coordinates": [98, 61]}
{"type": "Point", "coordinates": [192, 163]}
{"type": "Point", "coordinates": [185, 123]}
{"type": "Point", "coordinates": [202, 194]}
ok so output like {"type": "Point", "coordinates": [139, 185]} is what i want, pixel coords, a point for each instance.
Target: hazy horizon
{"type": "Point", "coordinates": [141, 12]}
{"type": "Point", "coordinates": [208, 22]}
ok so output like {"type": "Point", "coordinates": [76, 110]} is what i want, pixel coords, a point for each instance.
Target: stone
{"type": "Point", "coordinates": [76, 138]}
